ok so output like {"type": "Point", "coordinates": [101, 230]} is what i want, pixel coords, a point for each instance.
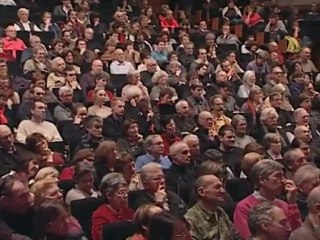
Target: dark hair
{"type": "Point", "coordinates": [124, 159]}
{"type": "Point", "coordinates": [170, 54]}
{"type": "Point", "coordinates": [93, 15]}
{"type": "Point", "coordinates": [47, 212]}
{"type": "Point", "coordinates": [222, 131]}
{"type": "Point", "coordinates": [164, 121]}
{"type": "Point", "coordinates": [159, 40]}
{"type": "Point", "coordinates": [127, 124]}
{"type": "Point", "coordinates": [26, 158]}
{"type": "Point", "coordinates": [253, 147]}
{"type": "Point", "coordinates": [297, 143]}
{"type": "Point", "coordinates": [75, 108]}
{"type": "Point", "coordinates": [165, 91]}
{"type": "Point", "coordinates": [82, 155]}
{"type": "Point", "coordinates": [88, 122]}
{"type": "Point", "coordinates": [32, 140]}
{"type": "Point", "coordinates": [162, 225]}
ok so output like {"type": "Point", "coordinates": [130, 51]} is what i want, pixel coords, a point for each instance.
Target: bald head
{"type": "Point", "coordinates": [204, 186]}
{"type": "Point", "coordinates": [205, 119]}
{"type": "Point", "coordinates": [6, 138]}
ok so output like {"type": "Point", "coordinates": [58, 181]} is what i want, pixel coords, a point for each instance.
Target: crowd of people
{"type": "Point", "coordinates": [158, 125]}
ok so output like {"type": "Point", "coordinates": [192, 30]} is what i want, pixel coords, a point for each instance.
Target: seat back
{"type": "Point", "coordinates": [83, 209]}
{"type": "Point", "coordinates": [118, 231]}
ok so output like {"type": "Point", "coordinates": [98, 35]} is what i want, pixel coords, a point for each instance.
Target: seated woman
{"type": "Point", "coordinates": [133, 141]}
{"type": "Point", "coordinates": [104, 157]}
{"type": "Point", "coordinates": [160, 81]}
{"type": "Point", "coordinates": [102, 81]}
{"type": "Point", "coordinates": [83, 155]}
{"type": "Point", "coordinates": [6, 114]}
{"type": "Point", "coordinates": [13, 96]}
{"type": "Point", "coordinates": [141, 220]}
{"type": "Point", "coordinates": [68, 57]}
{"type": "Point", "coordinates": [249, 80]}
{"type": "Point", "coordinates": [47, 173]}
{"type": "Point", "coordinates": [57, 49]}
{"type": "Point", "coordinates": [46, 190]}
{"type": "Point", "coordinates": [253, 104]}
{"type": "Point", "coordinates": [125, 166]}
{"type": "Point", "coordinates": [133, 79]}
{"type": "Point", "coordinates": [98, 108]}
{"type": "Point", "coordinates": [56, 78]}
{"type": "Point", "coordinates": [48, 26]}
{"type": "Point", "coordinates": [115, 189]}
{"type": "Point", "coordinates": [239, 123]}
{"type": "Point", "coordinates": [168, 133]}
{"type": "Point", "coordinates": [272, 147]}
{"type": "Point", "coordinates": [84, 178]}
{"type": "Point", "coordinates": [52, 221]}
{"type": "Point", "coordinates": [253, 19]}
{"type": "Point", "coordinates": [37, 143]}
{"type": "Point", "coordinates": [28, 167]}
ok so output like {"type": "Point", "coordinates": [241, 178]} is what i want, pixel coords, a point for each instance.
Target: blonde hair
{"type": "Point", "coordinates": [157, 75]}
{"type": "Point", "coordinates": [39, 188]}
{"type": "Point", "coordinates": [47, 173]}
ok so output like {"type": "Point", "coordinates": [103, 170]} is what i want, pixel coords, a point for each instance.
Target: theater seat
{"type": "Point", "coordinates": [118, 231]}
{"type": "Point", "coordinates": [83, 209]}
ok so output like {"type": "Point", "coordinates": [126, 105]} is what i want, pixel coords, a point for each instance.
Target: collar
{"type": "Point", "coordinates": [208, 215]}
{"type": "Point", "coordinates": [152, 158]}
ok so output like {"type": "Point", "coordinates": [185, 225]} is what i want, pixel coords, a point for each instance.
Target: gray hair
{"type": "Point", "coordinates": [190, 137]}
{"type": "Point", "coordinates": [263, 169]}
{"type": "Point", "coordinates": [175, 147]}
{"type": "Point", "coordinates": [267, 112]}
{"type": "Point", "coordinates": [149, 139]}
{"type": "Point", "coordinates": [306, 173]}
{"type": "Point", "coordinates": [174, 63]}
{"type": "Point", "coordinates": [258, 215]}
{"type": "Point", "coordinates": [55, 61]}
{"type": "Point", "coordinates": [270, 138]}
{"type": "Point", "coordinates": [236, 119]}
{"type": "Point", "coordinates": [247, 75]}
{"type": "Point", "coordinates": [313, 198]}
{"type": "Point", "coordinates": [179, 103]}
{"type": "Point", "coordinates": [65, 89]}
{"type": "Point", "coordinates": [157, 75]}
{"type": "Point", "coordinates": [297, 112]}
{"type": "Point", "coordinates": [290, 156]}
{"type": "Point", "coordinates": [148, 170]}
{"type": "Point", "coordinates": [111, 182]}
{"type": "Point", "coordinates": [130, 74]}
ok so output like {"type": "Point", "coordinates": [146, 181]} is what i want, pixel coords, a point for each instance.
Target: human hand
{"type": "Point", "coordinates": [160, 195]}
{"type": "Point", "coordinates": [291, 191]}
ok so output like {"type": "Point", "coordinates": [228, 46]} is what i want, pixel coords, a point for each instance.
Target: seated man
{"type": "Point", "coordinates": [36, 94]}
{"type": "Point", "coordinates": [184, 120]}
{"type": "Point", "coordinates": [155, 149]}
{"type": "Point", "coordinates": [267, 221]}
{"type": "Point", "coordinates": [11, 42]}
{"type": "Point", "coordinates": [153, 181]}
{"type": "Point", "coordinates": [38, 124]}
{"type": "Point", "coordinates": [160, 53]}
{"type": "Point", "coordinates": [119, 65]}
{"type": "Point", "coordinates": [268, 178]}
{"type": "Point", "coordinates": [15, 203]}
{"type": "Point", "coordinates": [206, 218]}
{"type": "Point", "coordinates": [24, 24]}
{"type": "Point", "coordinates": [226, 37]}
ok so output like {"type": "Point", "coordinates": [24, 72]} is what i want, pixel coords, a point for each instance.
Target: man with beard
{"type": "Point", "coordinates": [219, 118]}
{"type": "Point", "coordinates": [268, 178]}
{"type": "Point", "coordinates": [207, 220]}
{"type": "Point", "coordinates": [231, 155]}
{"type": "Point", "coordinates": [267, 221]}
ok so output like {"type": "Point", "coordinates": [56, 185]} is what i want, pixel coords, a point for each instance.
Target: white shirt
{"type": "Point", "coordinates": [47, 129]}
{"type": "Point", "coordinates": [121, 68]}
{"type": "Point", "coordinates": [26, 27]}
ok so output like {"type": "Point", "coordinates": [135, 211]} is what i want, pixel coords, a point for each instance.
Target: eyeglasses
{"type": "Point", "coordinates": [185, 152]}
{"type": "Point", "coordinates": [39, 93]}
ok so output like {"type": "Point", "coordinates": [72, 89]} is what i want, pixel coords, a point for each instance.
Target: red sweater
{"type": "Point", "coordinates": [104, 215]}
{"type": "Point", "coordinates": [240, 215]}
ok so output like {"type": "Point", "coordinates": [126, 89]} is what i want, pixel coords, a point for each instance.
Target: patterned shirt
{"type": "Point", "coordinates": [207, 225]}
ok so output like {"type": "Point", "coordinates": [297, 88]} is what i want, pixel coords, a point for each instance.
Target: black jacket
{"type": "Point", "coordinates": [180, 180]}
{"type": "Point", "coordinates": [112, 128]}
